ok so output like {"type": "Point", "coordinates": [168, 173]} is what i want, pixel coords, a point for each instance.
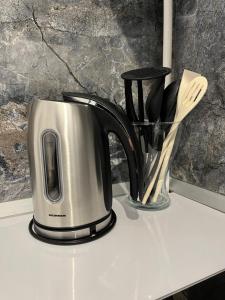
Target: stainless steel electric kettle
{"type": "Point", "coordinates": [70, 166]}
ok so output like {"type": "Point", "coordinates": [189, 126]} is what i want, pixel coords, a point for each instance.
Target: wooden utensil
{"type": "Point", "coordinates": [187, 77]}
{"type": "Point", "coordinates": [188, 98]}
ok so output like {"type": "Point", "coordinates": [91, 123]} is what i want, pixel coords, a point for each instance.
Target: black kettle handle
{"type": "Point", "coordinates": [124, 131]}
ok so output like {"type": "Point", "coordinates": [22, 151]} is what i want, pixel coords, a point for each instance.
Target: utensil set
{"type": "Point", "coordinates": [170, 105]}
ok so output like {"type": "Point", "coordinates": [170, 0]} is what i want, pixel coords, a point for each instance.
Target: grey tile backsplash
{"type": "Point", "coordinates": [199, 46]}
{"type": "Point", "coordinates": [47, 47]}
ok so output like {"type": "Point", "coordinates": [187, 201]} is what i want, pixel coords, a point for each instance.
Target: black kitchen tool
{"type": "Point", "coordinates": [169, 102]}
{"type": "Point", "coordinates": [154, 100]}
{"type": "Point", "coordinates": [139, 75]}
{"type": "Point", "coordinates": [153, 108]}
{"type": "Point", "coordinates": [167, 113]}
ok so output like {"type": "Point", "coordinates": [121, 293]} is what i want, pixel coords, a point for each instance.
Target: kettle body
{"type": "Point", "coordinates": [70, 167]}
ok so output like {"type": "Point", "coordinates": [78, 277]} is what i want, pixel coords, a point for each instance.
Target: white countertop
{"type": "Point", "coordinates": [148, 255]}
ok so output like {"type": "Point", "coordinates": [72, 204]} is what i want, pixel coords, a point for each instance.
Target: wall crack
{"type": "Point", "coordinates": [56, 54]}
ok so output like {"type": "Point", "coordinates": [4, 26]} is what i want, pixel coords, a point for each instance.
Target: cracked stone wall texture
{"type": "Point", "coordinates": [199, 46]}
{"type": "Point", "coordinates": [47, 47]}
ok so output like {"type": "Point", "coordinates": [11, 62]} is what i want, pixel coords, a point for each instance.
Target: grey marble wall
{"type": "Point", "coordinates": [47, 47]}
{"type": "Point", "coordinates": [199, 46]}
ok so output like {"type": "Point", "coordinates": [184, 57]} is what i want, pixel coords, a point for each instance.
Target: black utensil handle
{"type": "Point", "coordinates": [154, 100]}
{"type": "Point", "coordinates": [129, 101]}
{"type": "Point", "coordinates": [140, 101]}
{"type": "Point", "coordinates": [169, 102]}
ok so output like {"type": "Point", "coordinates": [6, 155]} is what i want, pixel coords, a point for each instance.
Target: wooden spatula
{"type": "Point", "coordinates": [188, 98]}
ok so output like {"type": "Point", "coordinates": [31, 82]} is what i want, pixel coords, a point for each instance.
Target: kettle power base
{"type": "Point", "coordinates": [59, 236]}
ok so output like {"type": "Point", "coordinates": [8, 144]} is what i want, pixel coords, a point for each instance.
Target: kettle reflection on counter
{"type": "Point", "coordinates": [70, 166]}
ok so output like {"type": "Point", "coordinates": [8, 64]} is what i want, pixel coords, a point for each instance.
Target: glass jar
{"type": "Point", "coordinates": [158, 142]}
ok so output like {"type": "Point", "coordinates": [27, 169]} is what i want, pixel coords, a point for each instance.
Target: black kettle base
{"type": "Point", "coordinates": [93, 235]}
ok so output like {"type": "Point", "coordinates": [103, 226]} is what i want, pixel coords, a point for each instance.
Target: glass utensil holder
{"type": "Point", "coordinates": [158, 142]}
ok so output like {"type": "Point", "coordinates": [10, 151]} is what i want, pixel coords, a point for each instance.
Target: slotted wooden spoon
{"type": "Point", "coordinates": [188, 98]}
